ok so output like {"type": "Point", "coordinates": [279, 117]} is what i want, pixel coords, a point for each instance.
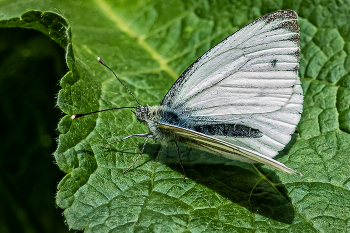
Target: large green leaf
{"type": "Point", "coordinates": [149, 44]}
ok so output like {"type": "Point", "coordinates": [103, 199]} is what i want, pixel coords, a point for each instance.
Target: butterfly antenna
{"type": "Point", "coordinates": [103, 63]}
{"type": "Point", "coordinates": [84, 114]}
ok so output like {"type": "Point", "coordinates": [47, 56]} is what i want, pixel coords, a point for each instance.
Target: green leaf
{"type": "Point", "coordinates": [148, 44]}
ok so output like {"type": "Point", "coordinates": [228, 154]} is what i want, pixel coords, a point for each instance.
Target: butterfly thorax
{"type": "Point", "coordinates": [152, 116]}
{"type": "Point", "coordinates": [149, 116]}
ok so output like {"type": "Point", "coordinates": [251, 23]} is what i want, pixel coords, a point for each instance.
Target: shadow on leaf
{"type": "Point", "coordinates": [261, 193]}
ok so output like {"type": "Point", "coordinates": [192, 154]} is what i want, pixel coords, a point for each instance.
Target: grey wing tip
{"type": "Point", "coordinates": [290, 13]}
{"type": "Point", "coordinates": [286, 14]}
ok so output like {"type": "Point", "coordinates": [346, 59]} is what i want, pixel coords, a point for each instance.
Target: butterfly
{"type": "Point", "coordinates": [241, 100]}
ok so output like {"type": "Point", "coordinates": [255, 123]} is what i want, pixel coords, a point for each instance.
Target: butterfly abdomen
{"type": "Point", "coordinates": [228, 130]}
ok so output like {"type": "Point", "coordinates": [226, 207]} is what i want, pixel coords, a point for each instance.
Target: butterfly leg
{"type": "Point", "coordinates": [143, 147]}
{"type": "Point", "coordinates": [130, 136]}
{"type": "Point", "coordinates": [183, 170]}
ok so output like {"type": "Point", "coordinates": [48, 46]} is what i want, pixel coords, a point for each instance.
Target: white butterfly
{"type": "Point", "coordinates": [242, 99]}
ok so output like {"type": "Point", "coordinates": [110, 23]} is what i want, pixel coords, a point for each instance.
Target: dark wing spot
{"type": "Point", "coordinates": [229, 130]}
{"type": "Point", "coordinates": [274, 62]}
{"type": "Point", "coordinates": [295, 69]}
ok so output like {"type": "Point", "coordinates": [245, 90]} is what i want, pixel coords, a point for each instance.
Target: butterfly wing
{"type": "Point", "coordinates": [250, 78]}
{"type": "Point", "coordinates": [221, 147]}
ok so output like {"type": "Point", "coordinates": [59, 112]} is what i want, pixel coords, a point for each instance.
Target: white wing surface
{"type": "Point", "coordinates": [250, 78]}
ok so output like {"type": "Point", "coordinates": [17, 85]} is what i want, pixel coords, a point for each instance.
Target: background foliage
{"type": "Point", "coordinates": [148, 44]}
{"type": "Point", "coordinates": [28, 176]}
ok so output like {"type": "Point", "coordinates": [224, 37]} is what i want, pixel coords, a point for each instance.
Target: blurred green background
{"type": "Point", "coordinates": [31, 66]}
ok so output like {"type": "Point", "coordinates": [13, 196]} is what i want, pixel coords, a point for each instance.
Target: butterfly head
{"type": "Point", "coordinates": [142, 113]}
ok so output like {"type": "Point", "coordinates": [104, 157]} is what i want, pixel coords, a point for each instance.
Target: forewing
{"type": "Point", "coordinates": [250, 78]}
{"type": "Point", "coordinates": [251, 71]}
{"type": "Point", "coordinates": [221, 147]}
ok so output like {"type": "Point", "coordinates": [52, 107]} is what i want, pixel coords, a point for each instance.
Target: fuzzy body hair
{"type": "Point", "coordinates": [151, 116]}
